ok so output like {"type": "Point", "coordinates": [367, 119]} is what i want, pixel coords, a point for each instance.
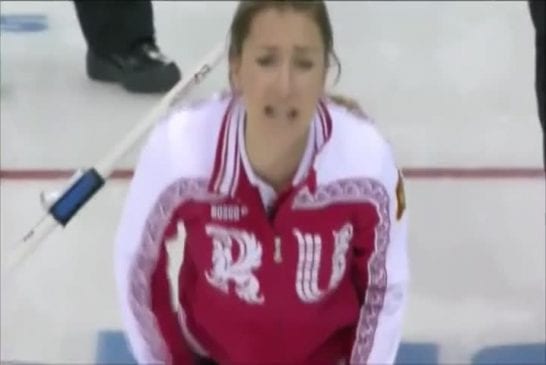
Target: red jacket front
{"type": "Point", "coordinates": [319, 277]}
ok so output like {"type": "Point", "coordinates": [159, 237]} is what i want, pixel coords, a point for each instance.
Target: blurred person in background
{"type": "Point", "coordinates": [538, 15]}
{"type": "Point", "coordinates": [121, 46]}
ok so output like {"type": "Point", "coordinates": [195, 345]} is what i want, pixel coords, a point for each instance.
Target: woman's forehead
{"type": "Point", "coordinates": [297, 48]}
{"type": "Point", "coordinates": [271, 26]}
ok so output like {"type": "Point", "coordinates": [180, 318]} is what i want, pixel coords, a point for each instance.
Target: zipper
{"type": "Point", "coordinates": [280, 304]}
{"type": "Point", "coordinates": [277, 257]}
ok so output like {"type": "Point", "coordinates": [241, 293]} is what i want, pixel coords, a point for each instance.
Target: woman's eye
{"type": "Point", "coordinates": [265, 61]}
{"type": "Point", "coordinates": [304, 64]}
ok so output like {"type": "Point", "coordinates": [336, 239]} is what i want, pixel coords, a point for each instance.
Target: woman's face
{"type": "Point", "coordinates": [281, 71]}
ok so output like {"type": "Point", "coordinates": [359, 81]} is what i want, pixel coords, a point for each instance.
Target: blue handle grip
{"type": "Point", "coordinates": [76, 196]}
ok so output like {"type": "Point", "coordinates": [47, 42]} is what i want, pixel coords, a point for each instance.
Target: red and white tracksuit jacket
{"type": "Point", "coordinates": [317, 275]}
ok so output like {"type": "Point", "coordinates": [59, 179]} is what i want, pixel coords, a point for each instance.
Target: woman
{"type": "Point", "coordinates": [293, 208]}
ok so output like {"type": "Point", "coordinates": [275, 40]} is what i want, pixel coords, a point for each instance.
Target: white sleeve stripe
{"type": "Point", "coordinates": [230, 154]}
{"type": "Point", "coordinates": [237, 158]}
{"type": "Point", "coordinates": [220, 166]}
{"type": "Point", "coordinates": [377, 278]}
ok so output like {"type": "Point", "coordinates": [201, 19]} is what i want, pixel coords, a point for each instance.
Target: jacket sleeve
{"type": "Point", "coordinates": [380, 267]}
{"type": "Point", "coordinates": [147, 222]}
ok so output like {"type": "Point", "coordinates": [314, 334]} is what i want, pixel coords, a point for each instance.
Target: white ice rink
{"type": "Point", "coordinates": [450, 84]}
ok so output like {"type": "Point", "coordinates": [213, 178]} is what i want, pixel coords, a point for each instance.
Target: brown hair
{"type": "Point", "coordinates": [246, 10]}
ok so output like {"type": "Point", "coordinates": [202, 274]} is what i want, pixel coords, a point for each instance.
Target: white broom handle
{"type": "Point", "coordinates": [107, 164]}
{"type": "Point", "coordinates": [23, 248]}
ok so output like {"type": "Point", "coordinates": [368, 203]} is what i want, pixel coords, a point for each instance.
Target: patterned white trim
{"type": "Point", "coordinates": [239, 121]}
{"type": "Point", "coordinates": [178, 193]}
{"type": "Point", "coordinates": [359, 191]}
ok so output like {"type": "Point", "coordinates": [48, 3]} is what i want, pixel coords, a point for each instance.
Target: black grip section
{"type": "Point", "coordinates": [76, 196]}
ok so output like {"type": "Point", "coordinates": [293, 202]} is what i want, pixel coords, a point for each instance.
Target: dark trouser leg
{"type": "Point", "coordinates": [122, 46]}
{"type": "Point", "coordinates": [540, 86]}
{"type": "Point", "coordinates": [115, 26]}
{"type": "Point", "coordinates": [538, 15]}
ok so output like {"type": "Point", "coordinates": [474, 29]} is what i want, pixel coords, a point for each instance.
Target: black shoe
{"type": "Point", "coordinates": [143, 70]}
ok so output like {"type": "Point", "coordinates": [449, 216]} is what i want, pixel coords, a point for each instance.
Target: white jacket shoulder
{"type": "Point", "coordinates": [358, 143]}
